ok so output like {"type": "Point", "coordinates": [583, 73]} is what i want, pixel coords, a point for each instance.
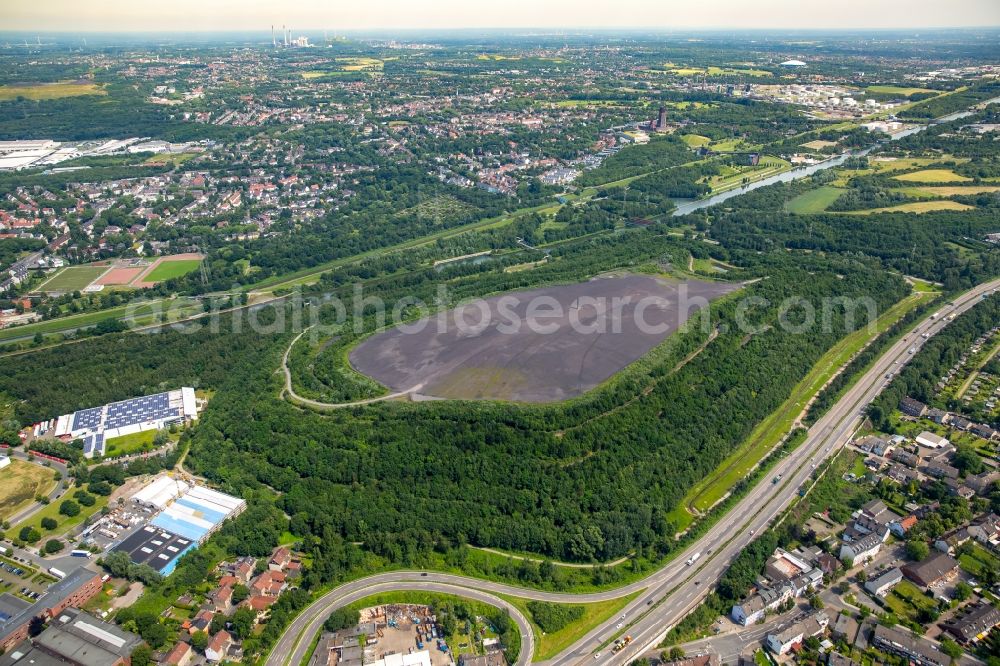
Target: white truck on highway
{"type": "Point", "coordinates": [694, 558]}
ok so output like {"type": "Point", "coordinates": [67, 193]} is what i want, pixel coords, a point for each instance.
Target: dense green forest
{"type": "Point", "coordinates": [589, 476]}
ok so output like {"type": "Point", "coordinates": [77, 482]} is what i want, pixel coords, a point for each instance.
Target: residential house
{"type": "Point", "coordinates": [837, 659]}
{"type": "Point", "coordinates": [912, 407]}
{"type": "Point", "coordinates": [918, 650]}
{"type": "Point", "coordinates": [180, 655]}
{"type": "Point", "coordinates": [941, 470]}
{"type": "Point", "coordinates": [269, 583]}
{"type": "Point", "coordinates": [218, 646]}
{"type": "Point", "coordinates": [753, 609]}
{"type": "Point", "coordinates": [961, 423]}
{"type": "Point", "coordinates": [200, 622]}
{"type": "Point", "coordinates": [947, 543]}
{"type": "Point", "coordinates": [783, 641]}
{"type": "Point", "coordinates": [259, 604]}
{"type": "Point", "coordinates": [861, 550]}
{"type": "Point", "coordinates": [984, 431]}
{"type": "Point", "coordinates": [279, 559]}
{"type": "Point", "coordinates": [974, 625]}
{"type": "Point", "coordinates": [939, 416]}
{"type": "Point", "coordinates": [986, 531]}
{"type": "Point", "coordinates": [982, 483]}
{"type": "Point", "coordinates": [905, 458]}
{"type": "Point", "coordinates": [845, 628]}
{"type": "Point", "coordinates": [937, 567]}
{"type": "Point", "coordinates": [244, 570]}
{"type": "Point", "coordinates": [881, 585]}
{"type": "Point", "coordinates": [222, 599]}
{"type": "Point", "coordinates": [902, 475]}
{"type": "Point", "coordinates": [900, 527]}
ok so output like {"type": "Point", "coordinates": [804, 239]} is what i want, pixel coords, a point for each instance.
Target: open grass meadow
{"type": "Point", "coordinates": [63, 523]}
{"type": "Point", "coordinates": [133, 443]}
{"type": "Point", "coordinates": [172, 268]}
{"type": "Point", "coordinates": [695, 140]}
{"type": "Point", "coordinates": [72, 278]}
{"type": "Point", "coordinates": [44, 91]}
{"type": "Point", "coordinates": [814, 201]}
{"type": "Point", "coordinates": [20, 482]}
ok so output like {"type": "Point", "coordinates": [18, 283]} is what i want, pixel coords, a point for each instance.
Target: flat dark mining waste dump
{"type": "Point", "coordinates": [542, 345]}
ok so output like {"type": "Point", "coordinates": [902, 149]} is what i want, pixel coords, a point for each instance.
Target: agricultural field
{"type": "Point", "coordinates": [20, 482]}
{"type": "Point", "coordinates": [72, 278]}
{"type": "Point", "coordinates": [914, 207]}
{"type": "Point", "coordinates": [898, 90]}
{"type": "Point", "coordinates": [359, 64]}
{"type": "Point", "coordinates": [44, 91]}
{"type": "Point", "coordinates": [949, 190]}
{"type": "Point", "coordinates": [716, 71]}
{"type": "Point", "coordinates": [814, 201]}
{"type": "Point", "coordinates": [932, 176]}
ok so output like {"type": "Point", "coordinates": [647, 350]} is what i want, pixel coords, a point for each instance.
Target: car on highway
{"type": "Point", "coordinates": [597, 656]}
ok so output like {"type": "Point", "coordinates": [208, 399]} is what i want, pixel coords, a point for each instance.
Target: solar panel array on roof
{"type": "Point", "coordinates": [87, 418]}
{"type": "Point", "coordinates": [93, 444]}
{"type": "Point", "coordinates": [139, 410]}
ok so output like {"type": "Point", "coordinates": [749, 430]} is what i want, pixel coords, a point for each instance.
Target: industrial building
{"type": "Point", "coordinates": [74, 637]}
{"type": "Point", "coordinates": [186, 516]}
{"type": "Point", "coordinates": [151, 412]}
{"type": "Point", "coordinates": [76, 589]}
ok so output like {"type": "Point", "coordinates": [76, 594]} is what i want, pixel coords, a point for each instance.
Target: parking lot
{"type": "Point", "coordinates": [22, 581]}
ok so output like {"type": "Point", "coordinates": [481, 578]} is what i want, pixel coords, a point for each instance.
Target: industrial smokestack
{"type": "Point", "coordinates": [273, 43]}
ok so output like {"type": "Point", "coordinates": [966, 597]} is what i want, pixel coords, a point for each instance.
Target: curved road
{"type": "Point", "coordinates": [296, 398]}
{"type": "Point", "coordinates": [667, 595]}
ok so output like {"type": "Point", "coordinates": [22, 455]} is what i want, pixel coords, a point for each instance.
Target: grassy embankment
{"type": "Point", "coordinates": [770, 432]}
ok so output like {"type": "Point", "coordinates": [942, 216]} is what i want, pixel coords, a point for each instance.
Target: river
{"type": "Point", "coordinates": [806, 171]}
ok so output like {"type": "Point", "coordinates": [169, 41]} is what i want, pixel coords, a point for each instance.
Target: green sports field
{"type": "Point", "coordinates": [167, 270]}
{"type": "Point", "coordinates": [73, 278]}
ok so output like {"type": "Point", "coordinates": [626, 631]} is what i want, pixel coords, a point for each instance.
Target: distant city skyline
{"type": "Point", "coordinates": [305, 15]}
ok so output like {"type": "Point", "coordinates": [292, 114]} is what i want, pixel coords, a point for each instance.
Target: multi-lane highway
{"type": "Point", "coordinates": [669, 594]}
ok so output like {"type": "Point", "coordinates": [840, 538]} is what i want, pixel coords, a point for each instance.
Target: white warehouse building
{"type": "Point", "coordinates": [149, 412]}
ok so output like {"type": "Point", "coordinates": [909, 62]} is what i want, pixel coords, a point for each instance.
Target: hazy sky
{"type": "Point", "coordinates": [302, 15]}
